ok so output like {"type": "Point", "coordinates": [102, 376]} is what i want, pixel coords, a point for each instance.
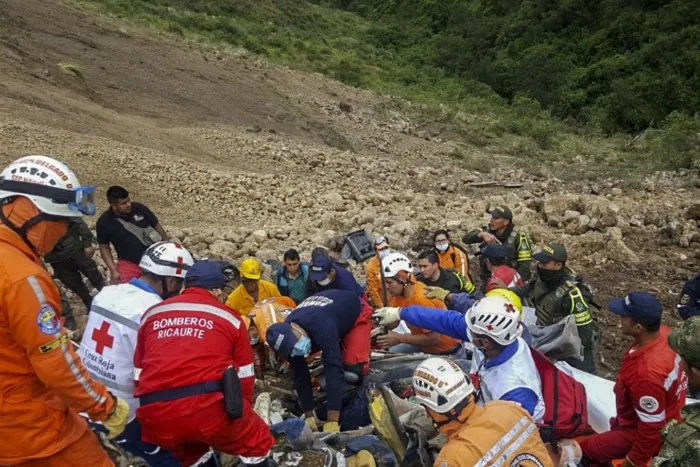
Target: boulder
{"type": "Point", "coordinates": [693, 212]}
{"type": "Point", "coordinates": [223, 249]}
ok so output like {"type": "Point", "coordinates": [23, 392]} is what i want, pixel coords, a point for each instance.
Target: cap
{"type": "Point", "coordinates": [280, 337]}
{"type": "Point", "coordinates": [381, 242]}
{"type": "Point", "coordinates": [205, 274]}
{"type": "Point", "coordinates": [250, 269]}
{"type": "Point", "coordinates": [643, 307]}
{"type": "Point", "coordinates": [552, 252]}
{"type": "Point", "coordinates": [685, 341]}
{"type": "Point", "coordinates": [494, 252]}
{"type": "Point", "coordinates": [502, 212]}
{"type": "Point", "coordinates": [321, 264]}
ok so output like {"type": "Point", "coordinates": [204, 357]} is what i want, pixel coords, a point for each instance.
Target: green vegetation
{"type": "Point", "coordinates": [538, 78]}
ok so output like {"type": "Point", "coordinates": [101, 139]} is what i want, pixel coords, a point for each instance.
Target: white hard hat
{"type": "Point", "coordinates": [440, 384]}
{"type": "Point", "coordinates": [394, 263]}
{"type": "Point", "coordinates": [167, 259]}
{"type": "Point", "coordinates": [49, 184]}
{"type": "Point", "coordinates": [496, 318]}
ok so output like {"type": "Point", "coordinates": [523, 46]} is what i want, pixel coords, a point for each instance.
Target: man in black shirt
{"type": "Point", "coordinates": [131, 228]}
{"type": "Point", "coordinates": [433, 275]}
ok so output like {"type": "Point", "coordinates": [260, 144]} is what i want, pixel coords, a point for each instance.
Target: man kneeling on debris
{"type": "Point", "coordinates": [336, 322]}
{"type": "Point", "coordinates": [497, 433]}
{"type": "Point", "coordinates": [194, 370]}
{"type": "Point", "coordinates": [502, 361]}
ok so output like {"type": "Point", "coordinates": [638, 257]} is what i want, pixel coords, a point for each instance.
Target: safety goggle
{"type": "Point", "coordinates": [80, 199]}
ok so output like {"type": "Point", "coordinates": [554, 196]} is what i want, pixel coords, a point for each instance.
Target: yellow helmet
{"type": "Point", "coordinates": [250, 269]}
{"type": "Point", "coordinates": [509, 296]}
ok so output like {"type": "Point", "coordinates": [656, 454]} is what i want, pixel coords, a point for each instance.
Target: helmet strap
{"type": "Point", "coordinates": [164, 285]}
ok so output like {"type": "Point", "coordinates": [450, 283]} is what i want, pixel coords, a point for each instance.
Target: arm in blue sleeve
{"type": "Point", "coordinates": [523, 396]}
{"type": "Point", "coordinates": [461, 301]}
{"type": "Point", "coordinates": [302, 383]}
{"type": "Point", "coordinates": [448, 322]}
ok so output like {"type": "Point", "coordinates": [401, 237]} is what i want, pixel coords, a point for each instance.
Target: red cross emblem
{"type": "Point", "coordinates": [180, 263]}
{"type": "Point", "coordinates": [102, 338]}
{"type": "Point", "coordinates": [510, 308]}
{"type": "Point", "coordinates": [489, 327]}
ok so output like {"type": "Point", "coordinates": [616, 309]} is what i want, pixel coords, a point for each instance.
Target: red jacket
{"type": "Point", "coordinates": [189, 339]}
{"type": "Point", "coordinates": [650, 391]}
{"type": "Point", "coordinates": [504, 277]}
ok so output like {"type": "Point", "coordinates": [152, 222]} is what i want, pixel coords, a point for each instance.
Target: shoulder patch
{"type": "Point", "coordinates": [47, 320]}
{"type": "Point", "coordinates": [649, 404]}
{"type": "Point", "coordinates": [54, 344]}
{"type": "Point", "coordinates": [685, 299]}
{"type": "Point", "coordinates": [520, 459]}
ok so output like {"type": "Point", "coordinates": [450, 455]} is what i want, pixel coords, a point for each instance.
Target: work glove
{"type": "Point", "coordinates": [331, 427]}
{"type": "Point", "coordinates": [438, 293]}
{"type": "Point", "coordinates": [311, 423]}
{"type": "Point", "coordinates": [116, 422]}
{"type": "Point", "coordinates": [387, 315]}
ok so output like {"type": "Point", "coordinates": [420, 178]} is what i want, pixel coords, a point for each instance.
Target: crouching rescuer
{"type": "Point", "coordinates": [194, 369]}
{"type": "Point", "coordinates": [337, 323]}
{"type": "Point", "coordinates": [497, 433]}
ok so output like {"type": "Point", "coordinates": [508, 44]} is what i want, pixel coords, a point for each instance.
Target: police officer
{"type": "Point", "coordinates": [682, 440]}
{"type": "Point", "coordinates": [556, 294]}
{"type": "Point", "coordinates": [501, 230]}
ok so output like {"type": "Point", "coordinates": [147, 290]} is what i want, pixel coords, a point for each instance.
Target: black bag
{"type": "Point", "coordinates": [233, 394]}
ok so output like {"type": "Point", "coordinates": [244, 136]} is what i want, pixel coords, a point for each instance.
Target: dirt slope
{"type": "Point", "coordinates": [239, 157]}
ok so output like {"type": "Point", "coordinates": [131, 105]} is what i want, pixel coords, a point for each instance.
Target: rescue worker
{"type": "Point", "coordinates": [337, 323]}
{"type": "Point", "coordinates": [129, 227]}
{"type": "Point", "coordinates": [292, 278]}
{"type": "Point", "coordinates": [195, 375]}
{"type": "Point", "coordinates": [557, 293]}
{"type": "Point", "coordinates": [501, 275]}
{"type": "Point", "coordinates": [502, 361]}
{"type": "Point", "coordinates": [43, 383]}
{"type": "Point", "coordinates": [109, 340]}
{"type": "Point", "coordinates": [495, 433]}
{"type": "Point", "coordinates": [650, 388]}
{"type": "Point", "coordinates": [501, 230]}
{"type": "Point", "coordinates": [405, 290]}
{"type": "Point", "coordinates": [71, 258]}
{"type": "Point", "coordinates": [682, 439]}
{"type": "Point", "coordinates": [376, 292]}
{"type": "Point", "coordinates": [450, 255]}
{"type": "Point", "coordinates": [326, 275]}
{"type": "Point", "coordinates": [689, 301]}
{"type": "Point", "coordinates": [252, 290]}
{"type": "Point", "coordinates": [432, 275]}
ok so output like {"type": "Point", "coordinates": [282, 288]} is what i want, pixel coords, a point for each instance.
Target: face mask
{"type": "Point", "coordinates": [442, 246]}
{"type": "Point", "coordinates": [384, 253]}
{"type": "Point", "coordinates": [45, 234]}
{"type": "Point", "coordinates": [550, 277]}
{"type": "Point", "coordinates": [302, 348]}
{"type": "Point", "coordinates": [325, 281]}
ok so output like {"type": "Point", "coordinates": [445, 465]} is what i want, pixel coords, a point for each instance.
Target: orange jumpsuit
{"type": "Point", "coordinates": [454, 258]}
{"type": "Point", "coordinates": [43, 384]}
{"type": "Point", "coordinates": [446, 343]}
{"type": "Point", "coordinates": [374, 283]}
{"type": "Point", "coordinates": [497, 433]}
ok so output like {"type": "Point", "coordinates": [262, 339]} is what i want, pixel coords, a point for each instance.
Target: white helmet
{"type": "Point", "coordinates": [440, 384]}
{"type": "Point", "coordinates": [167, 259]}
{"type": "Point", "coordinates": [394, 263]}
{"type": "Point", "coordinates": [49, 184]}
{"type": "Point", "coordinates": [496, 318]}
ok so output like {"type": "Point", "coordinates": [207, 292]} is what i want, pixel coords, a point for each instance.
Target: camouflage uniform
{"type": "Point", "coordinates": [682, 440]}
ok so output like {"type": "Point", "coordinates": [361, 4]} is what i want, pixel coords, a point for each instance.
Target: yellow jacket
{"type": "Point", "coordinates": [374, 283]}
{"type": "Point", "coordinates": [241, 301]}
{"type": "Point", "coordinates": [499, 433]}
